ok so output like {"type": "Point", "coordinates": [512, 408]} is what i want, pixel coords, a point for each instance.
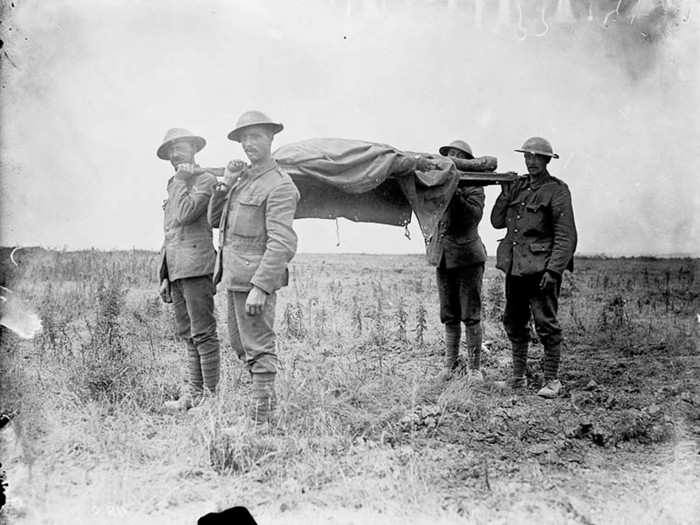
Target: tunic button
{"type": "Point", "coordinates": [515, 230]}
{"type": "Point", "coordinates": [522, 204]}
{"type": "Point", "coordinates": [517, 216]}
{"type": "Point", "coordinates": [514, 243]}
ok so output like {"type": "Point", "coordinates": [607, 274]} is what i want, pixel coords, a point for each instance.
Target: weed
{"type": "Point", "coordinates": [109, 370]}
{"type": "Point", "coordinates": [421, 324]}
{"type": "Point", "coordinates": [401, 318]}
{"type": "Point", "coordinates": [294, 320]}
{"type": "Point", "coordinates": [378, 333]}
{"type": "Point", "coordinates": [613, 314]}
{"type": "Point", "coordinates": [106, 334]}
{"type": "Point", "coordinates": [495, 298]}
{"type": "Point", "coordinates": [418, 286]}
{"type": "Point", "coordinates": [56, 325]}
{"type": "Point", "coordinates": [356, 317]}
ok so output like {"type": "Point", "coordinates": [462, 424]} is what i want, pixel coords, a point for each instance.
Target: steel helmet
{"type": "Point", "coordinates": [457, 144]}
{"type": "Point", "coordinates": [538, 146]}
{"type": "Point", "coordinates": [253, 118]}
{"type": "Point", "coordinates": [176, 134]}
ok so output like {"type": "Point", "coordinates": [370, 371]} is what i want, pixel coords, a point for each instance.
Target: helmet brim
{"type": "Point", "coordinates": [199, 143]}
{"type": "Point", "coordinates": [538, 152]}
{"type": "Point", "coordinates": [236, 133]}
{"type": "Point", "coordinates": [444, 149]}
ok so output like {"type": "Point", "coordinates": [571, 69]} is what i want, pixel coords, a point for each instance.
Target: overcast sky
{"type": "Point", "coordinates": [89, 89]}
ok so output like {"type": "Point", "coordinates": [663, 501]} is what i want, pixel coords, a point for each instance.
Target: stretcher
{"type": "Point", "coordinates": [372, 182]}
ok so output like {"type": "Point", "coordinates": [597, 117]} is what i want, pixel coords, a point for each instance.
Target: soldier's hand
{"type": "Point", "coordinates": [235, 165]}
{"type": "Point", "coordinates": [231, 172]}
{"type": "Point", "coordinates": [164, 291]}
{"type": "Point", "coordinates": [255, 302]}
{"type": "Point", "coordinates": [424, 164]}
{"type": "Point", "coordinates": [185, 171]}
{"type": "Point", "coordinates": [548, 281]}
{"type": "Point", "coordinates": [222, 185]}
{"type": "Point", "coordinates": [506, 189]}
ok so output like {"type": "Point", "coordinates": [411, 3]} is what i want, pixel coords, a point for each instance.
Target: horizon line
{"type": "Point", "coordinates": [677, 255]}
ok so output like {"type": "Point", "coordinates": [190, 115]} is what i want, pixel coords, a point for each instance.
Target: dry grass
{"type": "Point", "coordinates": [362, 425]}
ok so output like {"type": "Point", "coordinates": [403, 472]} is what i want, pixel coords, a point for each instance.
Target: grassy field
{"type": "Point", "coordinates": [365, 434]}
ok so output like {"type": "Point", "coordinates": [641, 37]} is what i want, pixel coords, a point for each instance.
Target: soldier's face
{"type": "Point", "coordinates": [256, 141]}
{"type": "Point", "coordinates": [182, 152]}
{"type": "Point", "coordinates": [536, 164]}
{"type": "Point", "coordinates": [456, 153]}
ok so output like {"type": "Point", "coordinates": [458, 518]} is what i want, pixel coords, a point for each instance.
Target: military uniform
{"type": "Point", "coordinates": [187, 261]}
{"type": "Point", "coordinates": [457, 252]}
{"type": "Point", "coordinates": [256, 242]}
{"type": "Point", "coordinates": [541, 236]}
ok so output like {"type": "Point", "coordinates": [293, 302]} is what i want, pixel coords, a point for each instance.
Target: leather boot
{"type": "Point", "coordinates": [519, 352]}
{"type": "Point", "coordinates": [264, 399]}
{"type": "Point", "coordinates": [552, 387]}
{"type": "Point", "coordinates": [474, 338]}
{"type": "Point", "coordinates": [184, 402]}
{"type": "Point", "coordinates": [550, 390]}
{"type": "Point", "coordinates": [204, 404]}
{"type": "Point", "coordinates": [452, 336]}
{"type": "Point", "coordinates": [550, 365]}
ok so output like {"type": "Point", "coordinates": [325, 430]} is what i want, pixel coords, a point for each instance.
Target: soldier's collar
{"type": "Point", "coordinates": [256, 171]}
{"type": "Point", "coordinates": [534, 184]}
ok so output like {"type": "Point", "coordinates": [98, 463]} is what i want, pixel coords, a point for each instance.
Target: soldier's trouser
{"type": "Point", "coordinates": [193, 303]}
{"type": "Point", "coordinates": [523, 297]}
{"type": "Point", "coordinates": [459, 291]}
{"type": "Point", "coordinates": [253, 336]}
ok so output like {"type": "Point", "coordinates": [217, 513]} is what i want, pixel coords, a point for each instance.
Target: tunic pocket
{"type": "Point", "coordinates": [250, 218]}
{"type": "Point", "coordinates": [540, 247]}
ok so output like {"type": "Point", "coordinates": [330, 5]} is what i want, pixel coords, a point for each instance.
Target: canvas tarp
{"type": "Point", "coordinates": [367, 182]}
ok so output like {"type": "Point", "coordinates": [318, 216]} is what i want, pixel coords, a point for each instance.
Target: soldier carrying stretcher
{"type": "Point", "coordinates": [458, 254]}
{"type": "Point", "coordinates": [254, 211]}
{"type": "Point", "coordinates": [539, 245]}
{"type": "Point", "coordinates": [187, 264]}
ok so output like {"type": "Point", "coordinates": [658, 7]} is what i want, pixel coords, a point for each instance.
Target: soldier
{"type": "Point", "coordinates": [459, 255]}
{"type": "Point", "coordinates": [539, 245]}
{"type": "Point", "coordinates": [254, 213]}
{"type": "Point", "coordinates": [187, 264]}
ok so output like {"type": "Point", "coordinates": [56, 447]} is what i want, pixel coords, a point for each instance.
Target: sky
{"type": "Point", "coordinates": [90, 88]}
